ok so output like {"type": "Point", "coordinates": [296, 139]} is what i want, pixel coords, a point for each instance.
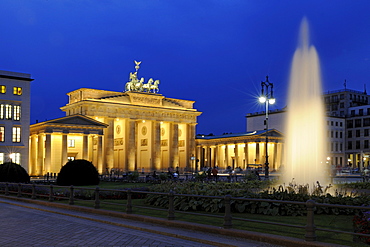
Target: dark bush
{"type": "Point", "coordinates": [78, 173]}
{"type": "Point", "coordinates": [11, 172]}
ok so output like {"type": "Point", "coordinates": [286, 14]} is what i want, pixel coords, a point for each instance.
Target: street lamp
{"type": "Point", "coordinates": [267, 97]}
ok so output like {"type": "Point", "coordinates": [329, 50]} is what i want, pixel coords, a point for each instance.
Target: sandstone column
{"type": "Point", "coordinates": [40, 154]}
{"type": "Point", "coordinates": [109, 143]}
{"type": "Point", "coordinates": [274, 159]}
{"type": "Point", "coordinates": [156, 148]}
{"type": "Point", "coordinates": [226, 156]}
{"type": "Point", "coordinates": [33, 155]}
{"type": "Point", "coordinates": [64, 158]}
{"type": "Point", "coordinates": [246, 156]}
{"type": "Point", "coordinates": [174, 149]}
{"type": "Point", "coordinates": [85, 146]}
{"type": "Point", "coordinates": [131, 145]}
{"type": "Point", "coordinates": [190, 142]}
{"type": "Point", "coordinates": [100, 154]}
{"type": "Point", "coordinates": [236, 152]}
{"type": "Point", "coordinates": [48, 153]}
{"type": "Point", "coordinates": [91, 148]}
{"type": "Point", "coordinates": [199, 158]}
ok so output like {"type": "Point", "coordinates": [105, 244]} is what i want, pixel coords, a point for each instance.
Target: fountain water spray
{"type": "Point", "coordinates": [305, 144]}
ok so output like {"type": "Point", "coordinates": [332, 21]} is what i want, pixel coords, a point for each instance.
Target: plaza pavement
{"type": "Point", "coordinates": [24, 222]}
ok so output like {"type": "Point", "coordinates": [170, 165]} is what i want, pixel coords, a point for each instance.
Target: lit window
{"type": "Point", "coordinates": [71, 143]}
{"type": "Point", "coordinates": [15, 158]}
{"type": "Point", "coordinates": [17, 112]}
{"type": "Point", "coordinates": [1, 111]}
{"type": "Point", "coordinates": [2, 89]}
{"type": "Point", "coordinates": [16, 134]}
{"type": "Point", "coordinates": [8, 112]}
{"type": "Point", "coordinates": [2, 134]}
{"type": "Point", "coordinates": [1, 158]}
{"type": "Point", "coordinates": [17, 90]}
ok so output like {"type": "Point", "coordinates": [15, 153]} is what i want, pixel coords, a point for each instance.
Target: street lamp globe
{"type": "Point", "coordinates": [272, 101]}
{"type": "Point", "coordinates": [262, 99]}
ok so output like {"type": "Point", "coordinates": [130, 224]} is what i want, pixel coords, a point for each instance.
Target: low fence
{"type": "Point", "coordinates": [52, 192]}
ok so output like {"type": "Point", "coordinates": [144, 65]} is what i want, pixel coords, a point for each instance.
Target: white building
{"type": "Point", "coordinates": [14, 117]}
{"type": "Point", "coordinates": [348, 126]}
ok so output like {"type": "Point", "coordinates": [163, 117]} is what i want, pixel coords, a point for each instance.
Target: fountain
{"type": "Point", "coordinates": [305, 143]}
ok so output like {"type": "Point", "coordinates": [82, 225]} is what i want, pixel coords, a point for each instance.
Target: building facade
{"type": "Point", "coordinates": [353, 108]}
{"type": "Point", "coordinates": [54, 142]}
{"type": "Point", "coordinates": [132, 131]}
{"type": "Point", "coordinates": [14, 117]}
{"type": "Point", "coordinates": [348, 126]}
{"type": "Point", "coordinates": [244, 150]}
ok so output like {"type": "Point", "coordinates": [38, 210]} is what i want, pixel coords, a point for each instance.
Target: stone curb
{"type": "Point", "coordinates": [256, 236]}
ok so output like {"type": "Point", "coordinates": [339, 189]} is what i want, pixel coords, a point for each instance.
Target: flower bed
{"type": "Point", "coordinates": [361, 224]}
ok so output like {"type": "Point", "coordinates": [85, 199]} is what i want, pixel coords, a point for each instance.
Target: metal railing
{"type": "Point", "coordinates": [52, 192]}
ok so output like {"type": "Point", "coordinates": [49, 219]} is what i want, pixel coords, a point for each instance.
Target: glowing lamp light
{"type": "Point", "coordinates": [272, 101]}
{"type": "Point", "coordinates": [12, 157]}
{"type": "Point", "coordinates": [262, 99]}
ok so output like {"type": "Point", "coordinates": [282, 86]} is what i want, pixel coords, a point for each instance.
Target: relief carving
{"type": "Point", "coordinates": [118, 141]}
{"type": "Point", "coordinates": [145, 100]}
{"type": "Point", "coordinates": [181, 143]}
{"type": "Point", "coordinates": [144, 142]}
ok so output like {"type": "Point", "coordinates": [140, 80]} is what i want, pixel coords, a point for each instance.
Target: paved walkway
{"type": "Point", "coordinates": [27, 224]}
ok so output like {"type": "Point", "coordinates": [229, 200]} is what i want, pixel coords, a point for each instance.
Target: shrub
{"type": "Point", "coordinates": [11, 172]}
{"type": "Point", "coordinates": [78, 172]}
{"type": "Point", "coordinates": [250, 189]}
{"type": "Point", "coordinates": [133, 176]}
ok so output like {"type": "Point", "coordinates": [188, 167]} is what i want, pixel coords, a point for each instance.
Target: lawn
{"type": "Point", "coordinates": [340, 222]}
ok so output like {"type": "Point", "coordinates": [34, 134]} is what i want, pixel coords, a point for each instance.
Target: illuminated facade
{"type": "Point", "coordinates": [139, 131]}
{"type": "Point", "coordinates": [244, 150]}
{"type": "Point", "coordinates": [14, 117]}
{"type": "Point", "coordinates": [54, 142]}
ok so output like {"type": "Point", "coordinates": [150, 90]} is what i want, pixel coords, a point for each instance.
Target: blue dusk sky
{"type": "Point", "coordinates": [213, 52]}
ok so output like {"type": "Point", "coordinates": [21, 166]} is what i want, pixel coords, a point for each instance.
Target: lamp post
{"type": "Point", "coordinates": [267, 97]}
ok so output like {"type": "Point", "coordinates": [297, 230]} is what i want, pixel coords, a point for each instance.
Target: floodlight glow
{"type": "Point", "coordinates": [262, 99]}
{"type": "Point", "coordinates": [12, 157]}
{"type": "Point", "coordinates": [272, 101]}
